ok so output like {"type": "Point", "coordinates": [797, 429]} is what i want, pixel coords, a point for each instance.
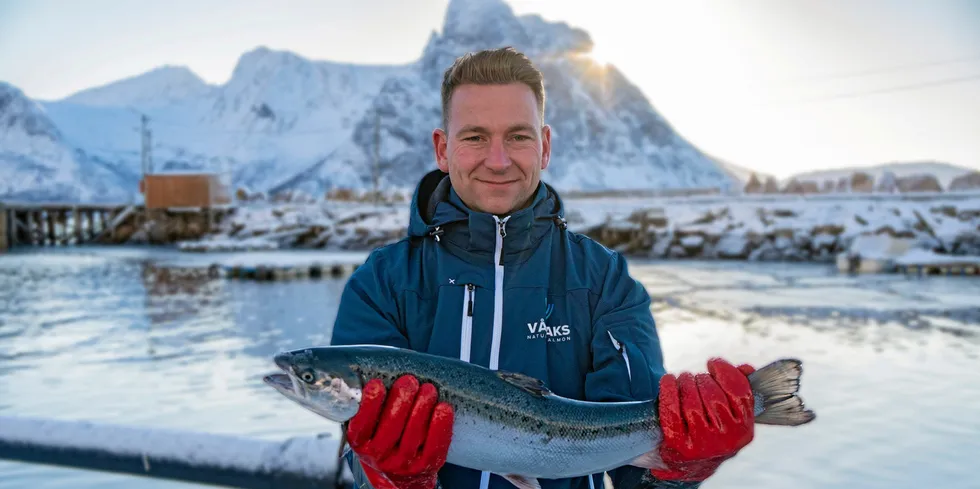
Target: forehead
{"type": "Point", "coordinates": [493, 105]}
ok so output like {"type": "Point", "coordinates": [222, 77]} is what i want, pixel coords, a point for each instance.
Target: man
{"type": "Point", "coordinates": [489, 274]}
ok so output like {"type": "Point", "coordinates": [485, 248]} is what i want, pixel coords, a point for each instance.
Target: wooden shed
{"type": "Point", "coordinates": [171, 190]}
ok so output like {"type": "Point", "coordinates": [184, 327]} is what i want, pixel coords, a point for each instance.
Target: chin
{"type": "Point", "coordinates": [498, 207]}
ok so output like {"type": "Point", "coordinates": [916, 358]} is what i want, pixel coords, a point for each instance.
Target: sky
{"type": "Point", "coordinates": [777, 86]}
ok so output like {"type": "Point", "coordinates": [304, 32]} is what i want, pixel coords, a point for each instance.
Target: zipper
{"type": "Point", "coordinates": [466, 330]}
{"type": "Point", "coordinates": [498, 292]}
{"type": "Point", "coordinates": [498, 309]}
{"type": "Point", "coordinates": [621, 348]}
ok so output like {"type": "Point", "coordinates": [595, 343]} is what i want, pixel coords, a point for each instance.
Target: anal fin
{"type": "Point", "coordinates": [523, 482]}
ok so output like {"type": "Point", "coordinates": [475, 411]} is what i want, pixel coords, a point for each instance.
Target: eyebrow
{"type": "Point", "coordinates": [483, 130]}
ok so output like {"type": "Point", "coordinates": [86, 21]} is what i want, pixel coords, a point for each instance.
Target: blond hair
{"type": "Point", "coordinates": [492, 67]}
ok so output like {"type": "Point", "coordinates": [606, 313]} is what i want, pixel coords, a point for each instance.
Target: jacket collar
{"type": "Point", "coordinates": [438, 213]}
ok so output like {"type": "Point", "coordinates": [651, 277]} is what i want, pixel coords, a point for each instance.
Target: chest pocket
{"type": "Point", "coordinates": [456, 318]}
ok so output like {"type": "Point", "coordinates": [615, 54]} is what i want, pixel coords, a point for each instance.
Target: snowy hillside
{"type": "Point", "coordinates": [286, 122]}
{"type": "Point", "coordinates": [944, 172]}
{"type": "Point", "coordinates": [37, 163]}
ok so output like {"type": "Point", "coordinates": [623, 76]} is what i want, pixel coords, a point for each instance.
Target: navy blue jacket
{"type": "Point", "coordinates": [522, 294]}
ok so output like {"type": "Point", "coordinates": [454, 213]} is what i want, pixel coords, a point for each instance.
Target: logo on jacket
{"type": "Point", "coordinates": [553, 334]}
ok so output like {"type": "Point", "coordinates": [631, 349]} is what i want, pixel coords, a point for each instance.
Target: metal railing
{"type": "Point", "coordinates": [186, 456]}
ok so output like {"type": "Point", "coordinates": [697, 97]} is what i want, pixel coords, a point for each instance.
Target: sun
{"type": "Point", "coordinates": [599, 55]}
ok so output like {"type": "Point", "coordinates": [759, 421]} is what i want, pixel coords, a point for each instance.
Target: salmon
{"type": "Point", "coordinates": [511, 424]}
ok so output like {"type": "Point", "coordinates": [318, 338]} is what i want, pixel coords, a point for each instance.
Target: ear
{"type": "Point", "coordinates": [545, 146]}
{"type": "Point", "coordinates": [440, 142]}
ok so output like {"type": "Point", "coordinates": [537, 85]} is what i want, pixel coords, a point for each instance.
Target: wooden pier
{"type": "Point", "coordinates": [60, 224]}
{"type": "Point", "coordinates": [53, 224]}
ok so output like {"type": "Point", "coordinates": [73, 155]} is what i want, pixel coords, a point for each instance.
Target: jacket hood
{"type": "Point", "coordinates": [437, 211]}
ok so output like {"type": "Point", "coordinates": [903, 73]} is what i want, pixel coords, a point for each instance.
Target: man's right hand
{"type": "Point", "coordinates": [401, 437]}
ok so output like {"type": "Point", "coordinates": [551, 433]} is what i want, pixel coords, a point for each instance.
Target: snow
{"type": "Point", "coordinates": [38, 161]}
{"type": "Point", "coordinates": [927, 257]}
{"type": "Point", "coordinates": [308, 456]}
{"type": "Point", "coordinates": [744, 227]}
{"type": "Point", "coordinates": [161, 86]}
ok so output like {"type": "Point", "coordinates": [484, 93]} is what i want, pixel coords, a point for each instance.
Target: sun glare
{"type": "Point", "coordinates": [599, 56]}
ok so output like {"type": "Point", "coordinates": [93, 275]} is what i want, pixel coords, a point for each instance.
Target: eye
{"type": "Point", "coordinates": [307, 377]}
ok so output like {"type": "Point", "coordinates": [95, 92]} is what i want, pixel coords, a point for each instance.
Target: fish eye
{"type": "Point", "coordinates": [307, 376]}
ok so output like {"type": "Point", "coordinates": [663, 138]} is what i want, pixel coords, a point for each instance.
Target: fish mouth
{"type": "Point", "coordinates": [280, 382]}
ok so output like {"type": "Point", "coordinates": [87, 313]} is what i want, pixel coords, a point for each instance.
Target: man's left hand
{"type": "Point", "coordinates": [706, 419]}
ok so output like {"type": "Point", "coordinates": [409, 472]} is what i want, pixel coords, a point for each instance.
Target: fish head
{"type": "Point", "coordinates": [324, 384]}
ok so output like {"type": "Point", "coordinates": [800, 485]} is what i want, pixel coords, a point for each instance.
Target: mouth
{"type": "Point", "coordinates": [280, 382]}
{"type": "Point", "coordinates": [498, 184]}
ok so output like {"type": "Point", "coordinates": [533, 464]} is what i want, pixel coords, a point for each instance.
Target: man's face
{"type": "Point", "coordinates": [494, 147]}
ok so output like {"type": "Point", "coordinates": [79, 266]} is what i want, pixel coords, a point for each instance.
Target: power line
{"type": "Point", "coordinates": [900, 88]}
{"type": "Point", "coordinates": [886, 69]}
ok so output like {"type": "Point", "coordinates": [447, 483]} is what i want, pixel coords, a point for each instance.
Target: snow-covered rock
{"type": "Point", "coordinates": [969, 181]}
{"type": "Point", "coordinates": [919, 183]}
{"type": "Point", "coordinates": [944, 172]}
{"type": "Point", "coordinates": [283, 122]}
{"type": "Point", "coordinates": [816, 230]}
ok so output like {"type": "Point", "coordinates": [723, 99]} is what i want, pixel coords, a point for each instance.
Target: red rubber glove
{"type": "Point", "coordinates": [706, 419]}
{"type": "Point", "coordinates": [401, 438]}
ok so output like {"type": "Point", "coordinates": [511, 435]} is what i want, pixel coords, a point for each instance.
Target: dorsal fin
{"type": "Point", "coordinates": [526, 382]}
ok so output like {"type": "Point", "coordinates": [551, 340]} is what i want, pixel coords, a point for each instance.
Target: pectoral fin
{"type": "Point", "coordinates": [523, 482]}
{"type": "Point", "coordinates": [526, 382]}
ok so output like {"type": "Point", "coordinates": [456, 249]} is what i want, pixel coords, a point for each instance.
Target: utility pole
{"type": "Point", "coordinates": [146, 160]}
{"type": "Point", "coordinates": [377, 157]}
{"type": "Point", "coordinates": [146, 145]}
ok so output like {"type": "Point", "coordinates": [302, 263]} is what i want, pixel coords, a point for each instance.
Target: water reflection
{"type": "Point", "coordinates": [126, 337]}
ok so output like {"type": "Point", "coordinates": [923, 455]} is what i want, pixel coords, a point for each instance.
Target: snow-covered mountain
{"type": "Point", "coordinates": [944, 172]}
{"type": "Point", "coordinates": [159, 87]}
{"type": "Point", "coordinates": [38, 163]}
{"type": "Point", "coordinates": [286, 122]}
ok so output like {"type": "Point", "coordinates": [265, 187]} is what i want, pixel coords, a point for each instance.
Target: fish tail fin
{"type": "Point", "coordinates": [776, 388]}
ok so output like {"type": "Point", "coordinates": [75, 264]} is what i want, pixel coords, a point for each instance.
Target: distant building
{"type": "Point", "coordinates": [170, 190]}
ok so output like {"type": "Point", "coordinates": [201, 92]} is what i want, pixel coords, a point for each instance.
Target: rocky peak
{"type": "Point", "coordinates": [22, 117]}
{"type": "Point", "coordinates": [479, 22]}
{"type": "Point", "coordinates": [472, 25]}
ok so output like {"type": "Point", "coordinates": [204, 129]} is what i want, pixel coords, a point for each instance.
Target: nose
{"type": "Point", "coordinates": [498, 159]}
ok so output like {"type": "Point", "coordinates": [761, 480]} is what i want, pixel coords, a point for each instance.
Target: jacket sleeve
{"type": "Point", "coordinates": [368, 314]}
{"type": "Point", "coordinates": [627, 360]}
{"type": "Point", "coordinates": [368, 311]}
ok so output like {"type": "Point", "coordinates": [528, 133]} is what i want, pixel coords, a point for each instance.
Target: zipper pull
{"type": "Point", "coordinates": [501, 225]}
{"type": "Point", "coordinates": [469, 303]}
